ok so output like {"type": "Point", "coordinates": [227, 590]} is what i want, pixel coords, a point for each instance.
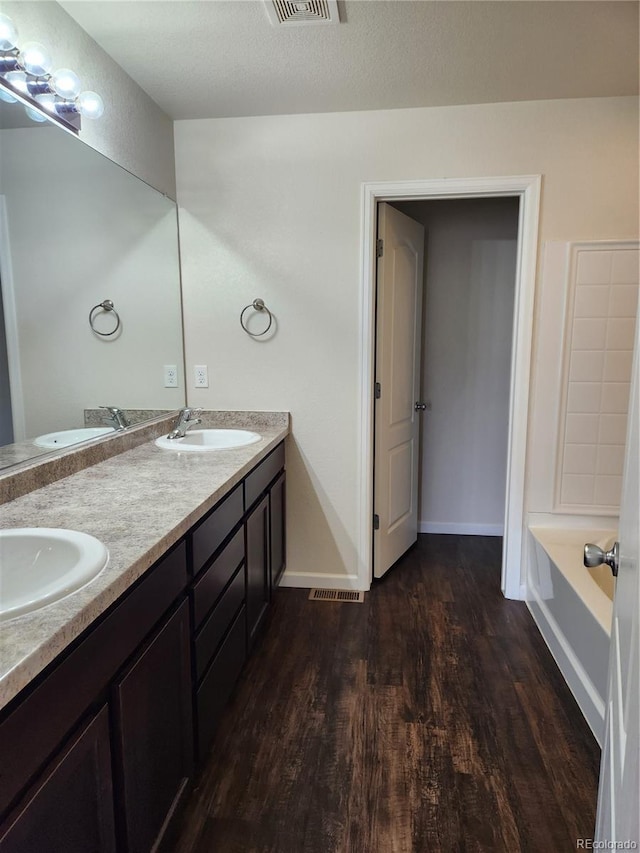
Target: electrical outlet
{"type": "Point", "coordinates": [170, 376]}
{"type": "Point", "coordinates": [200, 376]}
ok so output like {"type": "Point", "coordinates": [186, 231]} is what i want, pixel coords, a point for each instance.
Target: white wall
{"type": "Point", "coordinates": [270, 207]}
{"type": "Point", "coordinates": [133, 131]}
{"type": "Point", "coordinates": [470, 267]}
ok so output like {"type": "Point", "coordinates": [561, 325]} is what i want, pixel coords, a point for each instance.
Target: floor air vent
{"type": "Point", "coordinates": [302, 11]}
{"type": "Point", "coordinates": [336, 595]}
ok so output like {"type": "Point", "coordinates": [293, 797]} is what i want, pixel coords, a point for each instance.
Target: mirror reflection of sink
{"type": "Point", "coordinates": [209, 439]}
{"type": "Point", "coordinates": [66, 437]}
{"type": "Point", "coordinates": [39, 565]}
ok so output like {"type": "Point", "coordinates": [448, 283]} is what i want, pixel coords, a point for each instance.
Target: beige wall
{"type": "Point", "coordinates": [270, 207]}
{"type": "Point", "coordinates": [133, 131]}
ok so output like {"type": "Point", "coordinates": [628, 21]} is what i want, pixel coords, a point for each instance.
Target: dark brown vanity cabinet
{"type": "Point", "coordinates": [233, 550]}
{"type": "Point", "coordinates": [98, 752]}
{"type": "Point", "coordinates": [71, 807]}
{"type": "Point", "coordinates": [110, 784]}
{"type": "Point", "coordinates": [153, 748]}
{"type": "Point", "coordinates": [277, 531]}
{"type": "Point", "coordinates": [258, 568]}
{"type": "Point", "coordinates": [264, 498]}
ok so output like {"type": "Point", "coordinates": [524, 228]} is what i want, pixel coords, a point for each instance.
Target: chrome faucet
{"type": "Point", "coordinates": [187, 418]}
{"type": "Point", "coordinates": [116, 416]}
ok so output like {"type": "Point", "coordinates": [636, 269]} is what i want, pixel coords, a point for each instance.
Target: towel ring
{"type": "Point", "coordinates": [107, 306]}
{"type": "Point", "coordinates": [257, 305]}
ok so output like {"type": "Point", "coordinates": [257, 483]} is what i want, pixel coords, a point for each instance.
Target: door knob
{"type": "Point", "coordinates": [421, 407]}
{"type": "Point", "coordinates": [594, 555]}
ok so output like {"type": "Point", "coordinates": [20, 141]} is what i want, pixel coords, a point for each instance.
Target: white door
{"type": "Point", "coordinates": [397, 423]}
{"type": "Point", "coordinates": [618, 818]}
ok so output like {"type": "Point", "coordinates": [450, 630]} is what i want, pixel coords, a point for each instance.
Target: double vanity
{"type": "Point", "coordinates": [111, 695]}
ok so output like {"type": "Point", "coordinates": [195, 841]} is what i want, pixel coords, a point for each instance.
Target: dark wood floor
{"type": "Point", "coordinates": [430, 718]}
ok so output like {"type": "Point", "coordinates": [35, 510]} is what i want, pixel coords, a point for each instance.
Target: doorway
{"type": "Point", "coordinates": [6, 414]}
{"type": "Point", "coordinates": [462, 354]}
{"type": "Point", "coordinates": [526, 189]}
{"type": "Point", "coordinates": [12, 415]}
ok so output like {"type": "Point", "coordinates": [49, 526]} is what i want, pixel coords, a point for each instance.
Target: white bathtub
{"type": "Point", "coordinates": [572, 607]}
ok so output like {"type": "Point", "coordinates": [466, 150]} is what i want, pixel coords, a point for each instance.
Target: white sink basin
{"type": "Point", "coordinates": [66, 437]}
{"type": "Point", "coordinates": [209, 439]}
{"type": "Point", "coordinates": [39, 565]}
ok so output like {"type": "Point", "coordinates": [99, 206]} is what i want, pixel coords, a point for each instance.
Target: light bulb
{"type": "Point", "coordinates": [34, 115]}
{"type": "Point", "coordinates": [17, 79]}
{"type": "Point", "coordinates": [48, 102]}
{"type": "Point", "coordinates": [5, 96]}
{"type": "Point", "coordinates": [8, 33]}
{"type": "Point", "coordinates": [66, 83]}
{"type": "Point", "coordinates": [35, 59]}
{"type": "Point", "coordinates": [90, 104]}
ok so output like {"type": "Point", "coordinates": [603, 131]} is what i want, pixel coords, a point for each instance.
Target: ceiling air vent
{"type": "Point", "coordinates": [291, 12]}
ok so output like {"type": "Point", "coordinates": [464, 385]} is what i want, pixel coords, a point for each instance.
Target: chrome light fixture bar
{"type": "Point", "coordinates": [26, 77]}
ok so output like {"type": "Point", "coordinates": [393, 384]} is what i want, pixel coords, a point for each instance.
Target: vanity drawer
{"type": "Point", "coordinates": [207, 590]}
{"type": "Point", "coordinates": [258, 480]}
{"type": "Point", "coordinates": [217, 624]}
{"type": "Point", "coordinates": [220, 681]}
{"type": "Point", "coordinates": [36, 727]}
{"type": "Point", "coordinates": [211, 533]}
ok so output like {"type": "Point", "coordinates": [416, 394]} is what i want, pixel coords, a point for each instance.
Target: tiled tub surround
{"type": "Point", "coordinates": [139, 503]}
{"type": "Point", "coordinates": [601, 317]}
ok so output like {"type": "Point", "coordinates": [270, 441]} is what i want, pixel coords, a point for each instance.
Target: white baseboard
{"type": "Point", "coordinates": [589, 701]}
{"type": "Point", "coordinates": [314, 580]}
{"type": "Point", "coordinates": [460, 528]}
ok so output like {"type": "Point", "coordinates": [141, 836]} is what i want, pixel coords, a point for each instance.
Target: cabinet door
{"type": "Point", "coordinates": [154, 735]}
{"type": "Point", "coordinates": [71, 807]}
{"type": "Point", "coordinates": [258, 579]}
{"type": "Point", "coordinates": [277, 522]}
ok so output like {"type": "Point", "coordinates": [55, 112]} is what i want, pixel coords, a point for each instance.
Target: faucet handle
{"type": "Point", "coordinates": [117, 416]}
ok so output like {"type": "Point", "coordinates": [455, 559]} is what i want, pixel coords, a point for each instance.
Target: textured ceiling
{"type": "Point", "coordinates": [224, 58]}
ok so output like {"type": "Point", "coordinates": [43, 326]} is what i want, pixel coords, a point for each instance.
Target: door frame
{"type": "Point", "coordinates": [527, 188]}
{"type": "Point", "coordinates": [8, 297]}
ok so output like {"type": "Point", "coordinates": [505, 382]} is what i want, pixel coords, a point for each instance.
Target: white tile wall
{"type": "Point", "coordinates": [600, 334]}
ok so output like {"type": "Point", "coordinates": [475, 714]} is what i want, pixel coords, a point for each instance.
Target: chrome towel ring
{"type": "Point", "coordinates": [107, 306]}
{"type": "Point", "coordinates": [257, 305]}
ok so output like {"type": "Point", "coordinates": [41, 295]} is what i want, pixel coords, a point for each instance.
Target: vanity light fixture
{"type": "Point", "coordinates": [26, 77]}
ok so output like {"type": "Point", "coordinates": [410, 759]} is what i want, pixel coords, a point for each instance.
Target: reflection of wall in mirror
{"type": "Point", "coordinates": [81, 230]}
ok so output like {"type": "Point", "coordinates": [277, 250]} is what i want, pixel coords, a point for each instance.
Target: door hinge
{"type": "Point", "coordinates": [379, 248]}
{"type": "Point", "coordinates": [376, 522]}
{"type": "Point", "coordinates": [377, 390]}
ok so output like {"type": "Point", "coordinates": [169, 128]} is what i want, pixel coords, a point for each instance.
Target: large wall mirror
{"type": "Point", "coordinates": [75, 230]}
